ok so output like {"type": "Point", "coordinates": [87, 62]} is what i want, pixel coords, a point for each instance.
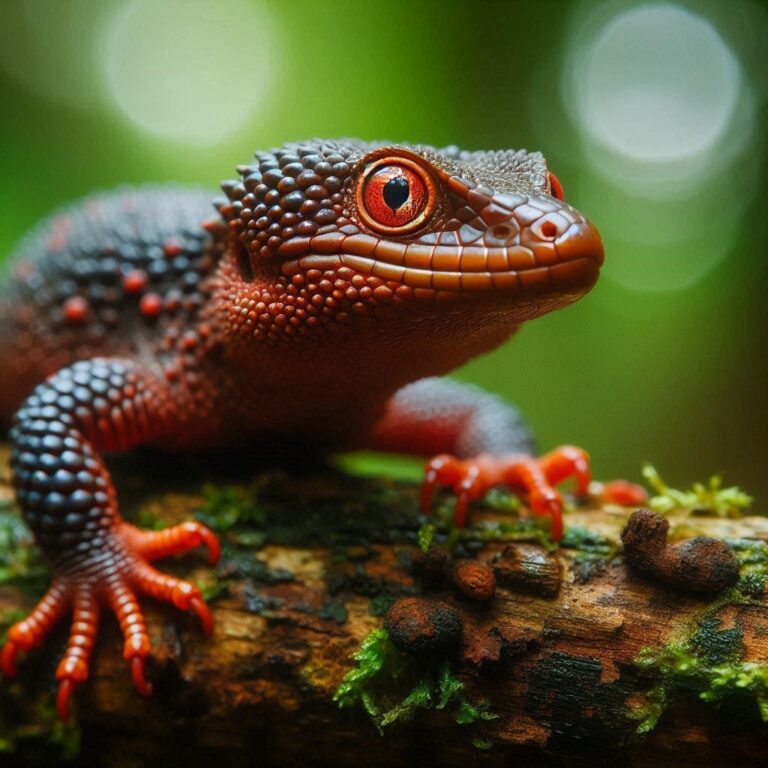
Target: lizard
{"type": "Point", "coordinates": [313, 307]}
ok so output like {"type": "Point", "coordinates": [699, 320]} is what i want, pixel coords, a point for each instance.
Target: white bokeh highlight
{"type": "Point", "coordinates": [666, 118]}
{"type": "Point", "coordinates": [189, 70]}
{"type": "Point", "coordinates": [658, 84]}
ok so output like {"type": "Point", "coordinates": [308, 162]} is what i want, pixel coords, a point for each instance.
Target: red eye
{"type": "Point", "coordinates": [396, 195]}
{"type": "Point", "coordinates": [555, 187]}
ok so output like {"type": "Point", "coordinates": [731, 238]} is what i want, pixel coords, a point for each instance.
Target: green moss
{"type": "Point", "coordinates": [29, 727]}
{"type": "Point", "coordinates": [425, 536]}
{"type": "Point", "coordinates": [375, 464]}
{"type": "Point", "coordinates": [717, 646]}
{"type": "Point", "coordinates": [709, 498]}
{"type": "Point", "coordinates": [147, 519]}
{"type": "Point", "coordinates": [707, 662]}
{"type": "Point", "coordinates": [706, 659]}
{"type": "Point", "coordinates": [21, 562]}
{"type": "Point", "coordinates": [500, 500]}
{"type": "Point", "coordinates": [587, 552]}
{"type": "Point", "coordinates": [228, 506]}
{"type": "Point", "coordinates": [392, 686]}
{"type": "Point", "coordinates": [523, 529]}
{"type": "Point", "coordinates": [751, 553]}
{"type": "Point", "coordinates": [752, 584]}
{"type": "Point", "coordinates": [213, 587]}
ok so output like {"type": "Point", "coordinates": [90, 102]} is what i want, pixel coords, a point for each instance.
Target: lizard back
{"type": "Point", "coordinates": [114, 274]}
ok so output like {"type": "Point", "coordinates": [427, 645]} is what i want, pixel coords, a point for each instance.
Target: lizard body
{"type": "Point", "coordinates": [337, 280]}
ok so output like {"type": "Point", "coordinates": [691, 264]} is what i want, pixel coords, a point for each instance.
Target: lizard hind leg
{"type": "Point", "coordinates": [85, 596]}
{"type": "Point", "coordinates": [67, 497]}
{"type": "Point", "coordinates": [535, 477]}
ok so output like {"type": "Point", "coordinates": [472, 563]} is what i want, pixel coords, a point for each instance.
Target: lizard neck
{"type": "Point", "coordinates": [332, 369]}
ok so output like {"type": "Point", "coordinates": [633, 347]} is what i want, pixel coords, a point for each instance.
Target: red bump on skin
{"type": "Point", "coordinates": [75, 309]}
{"type": "Point", "coordinates": [151, 305]}
{"type": "Point", "coordinates": [189, 340]}
{"type": "Point", "coordinates": [135, 281]}
{"type": "Point", "coordinates": [172, 248]}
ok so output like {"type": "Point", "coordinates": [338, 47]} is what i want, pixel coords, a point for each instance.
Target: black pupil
{"type": "Point", "coordinates": [396, 192]}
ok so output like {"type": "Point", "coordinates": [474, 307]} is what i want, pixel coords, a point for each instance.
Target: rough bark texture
{"type": "Point", "coordinates": [313, 572]}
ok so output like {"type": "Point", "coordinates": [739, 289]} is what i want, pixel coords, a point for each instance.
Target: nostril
{"type": "Point", "coordinates": [548, 228]}
{"type": "Point", "coordinates": [501, 231]}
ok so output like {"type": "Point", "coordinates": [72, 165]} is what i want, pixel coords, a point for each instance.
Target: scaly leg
{"type": "Point", "coordinates": [67, 498]}
{"type": "Point", "coordinates": [480, 442]}
{"type": "Point", "coordinates": [536, 478]}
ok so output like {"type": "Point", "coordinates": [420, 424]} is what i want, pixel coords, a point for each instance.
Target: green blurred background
{"type": "Point", "coordinates": [653, 115]}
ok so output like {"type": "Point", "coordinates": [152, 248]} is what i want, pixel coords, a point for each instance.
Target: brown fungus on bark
{"type": "Point", "coordinates": [421, 625]}
{"type": "Point", "coordinates": [700, 565]}
{"type": "Point", "coordinates": [528, 568]}
{"type": "Point", "coordinates": [474, 580]}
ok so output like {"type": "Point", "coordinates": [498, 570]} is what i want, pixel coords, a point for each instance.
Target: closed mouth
{"type": "Point", "coordinates": [570, 262]}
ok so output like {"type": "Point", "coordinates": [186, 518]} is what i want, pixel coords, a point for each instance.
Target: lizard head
{"type": "Point", "coordinates": [338, 230]}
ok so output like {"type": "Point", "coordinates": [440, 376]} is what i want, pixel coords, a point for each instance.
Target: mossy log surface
{"type": "Point", "coordinates": [312, 561]}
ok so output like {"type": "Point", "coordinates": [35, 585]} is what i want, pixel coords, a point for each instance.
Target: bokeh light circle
{"type": "Point", "coordinates": [658, 83]}
{"type": "Point", "coordinates": [188, 70]}
{"type": "Point", "coordinates": [665, 116]}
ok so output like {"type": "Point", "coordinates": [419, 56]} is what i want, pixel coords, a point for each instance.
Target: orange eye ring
{"type": "Point", "coordinates": [555, 187]}
{"type": "Point", "coordinates": [395, 195]}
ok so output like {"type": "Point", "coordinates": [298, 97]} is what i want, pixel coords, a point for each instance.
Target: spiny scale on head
{"type": "Point", "coordinates": [296, 190]}
{"type": "Point", "coordinates": [299, 190]}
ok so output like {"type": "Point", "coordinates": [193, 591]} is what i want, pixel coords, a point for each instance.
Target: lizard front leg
{"type": "Point", "coordinates": [66, 495]}
{"type": "Point", "coordinates": [477, 442]}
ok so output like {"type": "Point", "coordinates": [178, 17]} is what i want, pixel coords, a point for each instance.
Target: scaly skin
{"type": "Point", "coordinates": [312, 311]}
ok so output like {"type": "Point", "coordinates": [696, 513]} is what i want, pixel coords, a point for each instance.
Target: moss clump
{"type": "Point", "coordinates": [588, 552]}
{"type": "Point", "coordinates": [392, 686]}
{"type": "Point", "coordinates": [752, 555]}
{"type": "Point", "coordinates": [32, 728]}
{"type": "Point", "coordinates": [502, 501]}
{"type": "Point", "coordinates": [425, 536]}
{"type": "Point", "coordinates": [752, 584]}
{"type": "Point", "coordinates": [28, 721]}
{"type": "Point", "coordinates": [708, 662]}
{"type": "Point", "coordinates": [21, 563]}
{"type": "Point", "coordinates": [710, 498]}
{"type": "Point", "coordinates": [226, 507]}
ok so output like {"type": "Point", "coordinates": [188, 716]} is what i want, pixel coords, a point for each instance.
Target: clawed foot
{"type": "Point", "coordinates": [115, 583]}
{"type": "Point", "coordinates": [534, 477]}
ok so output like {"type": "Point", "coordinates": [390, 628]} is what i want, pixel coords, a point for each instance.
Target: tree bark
{"type": "Point", "coordinates": [554, 654]}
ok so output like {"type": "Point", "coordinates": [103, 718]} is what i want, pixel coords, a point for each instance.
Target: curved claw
{"type": "Point", "coordinates": [460, 510]}
{"type": "Point", "coordinates": [428, 490]}
{"type": "Point", "coordinates": [211, 543]}
{"type": "Point", "coordinates": [138, 676]}
{"type": "Point", "coordinates": [8, 658]}
{"type": "Point", "coordinates": [155, 545]}
{"type": "Point", "coordinates": [198, 605]}
{"type": "Point", "coordinates": [63, 697]}
{"type": "Point", "coordinates": [554, 509]}
{"type": "Point", "coordinates": [568, 461]}
{"type": "Point", "coordinates": [470, 478]}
